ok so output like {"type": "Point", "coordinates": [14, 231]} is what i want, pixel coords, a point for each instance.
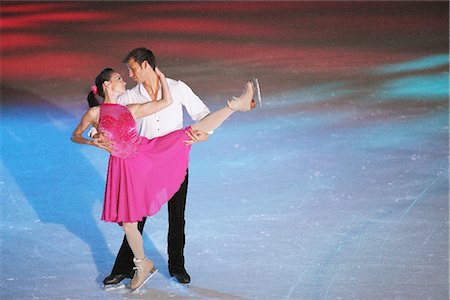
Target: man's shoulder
{"type": "Point", "coordinates": [176, 83]}
{"type": "Point", "coordinates": [173, 82]}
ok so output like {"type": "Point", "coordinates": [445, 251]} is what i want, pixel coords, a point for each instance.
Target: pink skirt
{"type": "Point", "coordinates": [137, 187]}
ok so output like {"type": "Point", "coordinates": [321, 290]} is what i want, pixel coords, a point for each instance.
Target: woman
{"type": "Point", "coordinates": [143, 174]}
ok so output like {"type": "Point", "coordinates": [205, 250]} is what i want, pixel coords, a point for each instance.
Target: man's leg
{"type": "Point", "coordinates": [175, 236]}
{"type": "Point", "coordinates": [123, 266]}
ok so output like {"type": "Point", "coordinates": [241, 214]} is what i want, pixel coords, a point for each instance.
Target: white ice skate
{"type": "Point", "coordinates": [145, 269]}
{"type": "Point", "coordinates": [245, 101]}
{"type": "Point", "coordinates": [257, 95]}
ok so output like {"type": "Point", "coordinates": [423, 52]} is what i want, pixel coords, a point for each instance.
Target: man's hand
{"type": "Point", "coordinates": [92, 132]}
{"type": "Point", "coordinates": [99, 140]}
{"type": "Point", "coordinates": [196, 136]}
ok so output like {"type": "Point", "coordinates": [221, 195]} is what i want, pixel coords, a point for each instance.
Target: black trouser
{"type": "Point", "coordinates": [175, 237]}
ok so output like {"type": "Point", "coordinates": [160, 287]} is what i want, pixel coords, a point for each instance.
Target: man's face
{"type": "Point", "coordinates": [137, 72]}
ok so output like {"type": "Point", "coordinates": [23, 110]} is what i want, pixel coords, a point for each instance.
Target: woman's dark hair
{"type": "Point", "coordinates": [141, 54]}
{"type": "Point", "coordinates": [104, 75]}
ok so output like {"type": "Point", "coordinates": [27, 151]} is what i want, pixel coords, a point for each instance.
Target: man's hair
{"type": "Point", "coordinates": [141, 54]}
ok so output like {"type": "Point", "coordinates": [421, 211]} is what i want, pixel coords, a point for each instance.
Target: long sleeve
{"type": "Point", "coordinates": [193, 104]}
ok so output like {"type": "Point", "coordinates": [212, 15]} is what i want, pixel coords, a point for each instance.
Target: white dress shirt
{"type": "Point", "coordinates": [170, 118]}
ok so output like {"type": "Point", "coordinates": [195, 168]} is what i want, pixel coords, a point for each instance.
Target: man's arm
{"type": "Point", "coordinates": [196, 136]}
{"type": "Point", "coordinates": [92, 132]}
{"type": "Point", "coordinates": [196, 109]}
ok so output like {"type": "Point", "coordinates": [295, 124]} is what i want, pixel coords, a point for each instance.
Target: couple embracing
{"type": "Point", "coordinates": [142, 129]}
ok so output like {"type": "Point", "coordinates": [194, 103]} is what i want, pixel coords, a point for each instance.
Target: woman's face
{"type": "Point", "coordinates": [117, 83]}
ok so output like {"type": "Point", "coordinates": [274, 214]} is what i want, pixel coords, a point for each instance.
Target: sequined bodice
{"type": "Point", "coordinates": [118, 125]}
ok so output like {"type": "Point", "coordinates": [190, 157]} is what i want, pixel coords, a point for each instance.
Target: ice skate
{"type": "Point", "coordinates": [245, 101]}
{"type": "Point", "coordinates": [180, 275]}
{"type": "Point", "coordinates": [257, 95]}
{"type": "Point", "coordinates": [145, 269]}
{"type": "Point", "coordinates": [113, 287]}
{"type": "Point", "coordinates": [115, 281]}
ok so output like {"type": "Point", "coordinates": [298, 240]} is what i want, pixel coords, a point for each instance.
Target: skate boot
{"type": "Point", "coordinates": [245, 101]}
{"type": "Point", "coordinates": [145, 269]}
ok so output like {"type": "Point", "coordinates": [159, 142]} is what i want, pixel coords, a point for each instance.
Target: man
{"type": "Point", "coordinates": [141, 64]}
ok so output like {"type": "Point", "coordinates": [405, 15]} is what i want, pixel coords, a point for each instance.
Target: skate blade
{"type": "Point", "coordinates": [136, 290]}
{"type": "Point", "coordinates": [174, 283]}
{"type": "Point", "coordinates": [257, 95]}
{"type": "Point", "coordinates": [113, 287]}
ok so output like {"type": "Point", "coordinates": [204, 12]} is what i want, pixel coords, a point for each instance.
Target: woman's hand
{"type": "Point", "coordinates": [151, 107]}
{"type": "Point", "coordinates": [99, 140]}
{"type": "Point", "coordinates": [166, 95]}
{"type": "Point", "coordinates": [159, 73]}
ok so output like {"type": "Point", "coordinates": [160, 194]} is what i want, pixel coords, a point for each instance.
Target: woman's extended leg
{"type": "Point", "coordinates": [215, 119]}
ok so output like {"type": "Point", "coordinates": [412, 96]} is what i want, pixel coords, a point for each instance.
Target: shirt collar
{"type": "Point", "coordinates": [144, 92]}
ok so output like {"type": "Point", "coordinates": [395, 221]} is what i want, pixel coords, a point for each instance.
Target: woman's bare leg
{"type": "Point", "coordinates": [144, 267]}
{"type": "Point", "coordinates": [213, 120]}
{"type": "Point", "coordinates": [134, 238]}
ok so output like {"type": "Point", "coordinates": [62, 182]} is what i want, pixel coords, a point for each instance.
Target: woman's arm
{"type": "Point", "coordinates": [89, 118]}
{"type": "Point", "coordinates": [151, 107]}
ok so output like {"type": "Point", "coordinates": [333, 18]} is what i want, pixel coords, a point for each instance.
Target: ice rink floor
{"type": "Point", "coordinates": [336, 188]}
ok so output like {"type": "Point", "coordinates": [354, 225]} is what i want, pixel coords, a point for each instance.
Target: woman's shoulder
{"type": "Point", "coordinates": [94, 109]}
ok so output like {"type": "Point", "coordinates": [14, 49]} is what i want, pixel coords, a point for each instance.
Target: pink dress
{"type": "Point", "coordinates": [142, 174]}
